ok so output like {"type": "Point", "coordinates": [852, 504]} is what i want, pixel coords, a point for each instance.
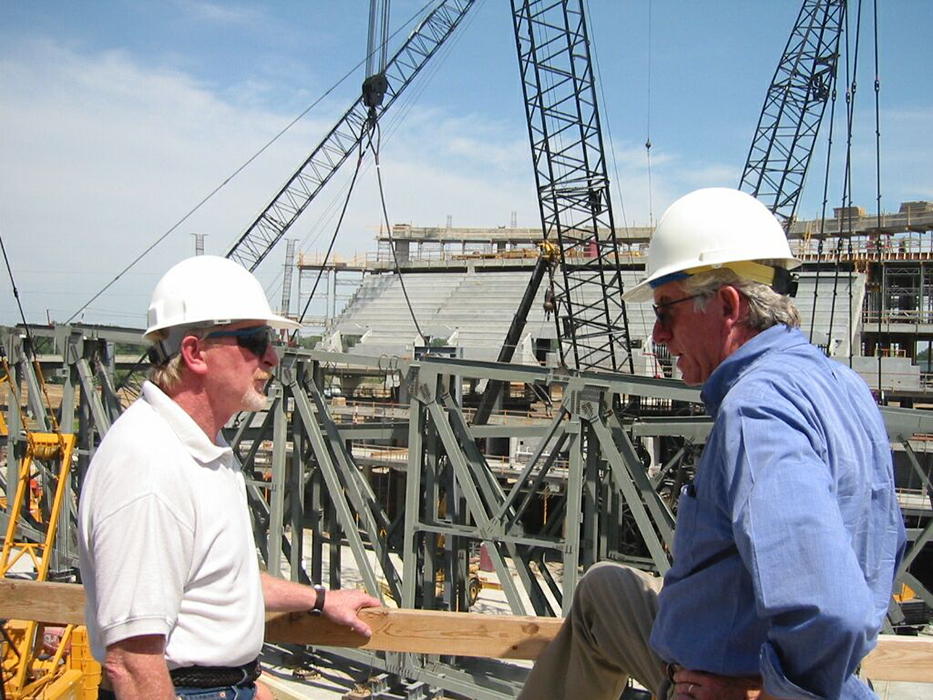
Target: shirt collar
{"type": "Point", "coordinates": [730, 370]}
{"type": "Point", "coordinates": [188, 432]}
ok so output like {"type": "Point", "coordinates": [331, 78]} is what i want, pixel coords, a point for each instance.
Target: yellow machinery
{"type": "Point", "coordinates": [66, 670]}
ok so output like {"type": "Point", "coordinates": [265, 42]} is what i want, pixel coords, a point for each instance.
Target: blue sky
{"type": "Point", "coordinates": [118, 116]}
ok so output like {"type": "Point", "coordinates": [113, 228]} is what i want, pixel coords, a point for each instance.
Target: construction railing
{"type": "Point", "coordinates": [605, 480]}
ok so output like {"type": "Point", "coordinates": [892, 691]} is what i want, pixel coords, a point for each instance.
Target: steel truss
{"type": "Point", "coordinates": [777, 162]}
{"type": "Point", "coordinates": [311, 485]}
{"type": "Point", "coordinates": [295, 196]}
{"type": "Point", "coordinates": [572, 181]}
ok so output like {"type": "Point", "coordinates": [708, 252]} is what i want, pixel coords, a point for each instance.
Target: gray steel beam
{"type": "Point", "coordinates": [477, 508]}
{"type": "Point", "coordinates": [630, 493]}
{"type": "Point", "coordinates": [372, 516]}
{"type": "Point", "coordinates": [413, 499]}
{"type": "Point", "coordinates": [90, 394]}
{"type": "Point", "coordinates": [573, 517]}
{"type": "Point", "coordinates": [336, 492]}
{"type": "Point", "coordinates": [296, 499]}
{"type": "Point", "coordinates": [277, 496]}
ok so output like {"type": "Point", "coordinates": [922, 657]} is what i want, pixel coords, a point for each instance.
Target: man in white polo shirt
{"type": "Point", "coordinates": [175, 597]}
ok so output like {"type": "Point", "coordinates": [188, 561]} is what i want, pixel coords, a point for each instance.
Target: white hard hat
{"type": "Point", "coordinates": [712, 228]}
{"type": "Point", "coordinates": [208, 290]}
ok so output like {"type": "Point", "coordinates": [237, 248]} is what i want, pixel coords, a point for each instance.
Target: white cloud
{"type": "Point", "coordinates": [103, 155]}
{"type": "Point", "coordinates": [226, 13]}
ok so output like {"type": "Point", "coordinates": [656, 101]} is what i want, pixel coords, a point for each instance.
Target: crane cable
{"type": "Point", "coordinates": [35, 361]}
{"type": "Point", "coordinates": [851, 89]}
{"type": "Point", "coordinates": [647, 322]}
{"type": "Point", "coordinates": [385, 214]}
{"type": "Point", "coordinates": [822, 234]}
{"type": "Point", "coordinates": [333, 239]}
{"type": "Point", "coordinates": [405, 105]}
{"type": "Point", "coordinates": [648, 125]}
{"type": "Point", "coordinates": [878, 178]}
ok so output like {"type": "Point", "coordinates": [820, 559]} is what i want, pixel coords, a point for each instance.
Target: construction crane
{"type": "Point", "coordinates": [805, 78]}
{"type": "Point", "coordinates": [384, 83]}
{"type": "Point", "coordinates": [380, 91]}
{"type": "Point", "coordinates": [41, 498]}
{"type": "Point", "coordinates": [562, 113]}
{"type": "Point", "coordinates": [585, 294]}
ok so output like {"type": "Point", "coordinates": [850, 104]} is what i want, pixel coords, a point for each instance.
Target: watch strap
{"type": "Point", "coordinates": [320, 592]}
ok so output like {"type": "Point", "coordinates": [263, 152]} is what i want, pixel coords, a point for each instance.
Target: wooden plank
{"type": "Point", "coordinates": [425, 632]}
{"type": "Point", "coordinates": [430, 631]}
{"type": "Point", "coordinates": [43, 602]}
{"type": "Point", "coordinates": [420, 631]}
{"type": "Point", "coordinates": [900, 659]}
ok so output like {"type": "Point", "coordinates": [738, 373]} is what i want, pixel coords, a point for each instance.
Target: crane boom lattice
{"type": "Point", "coordinates": [790, 119]}
{"type": "Point", "coordinates": [262, 235]}
{"type": "Point", "coordinates": [572, 181]}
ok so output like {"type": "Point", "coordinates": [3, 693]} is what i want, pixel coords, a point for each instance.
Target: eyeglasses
{"type": "Point", "coordinates": [256, 339]}
{"type": "Point", "coordinates": [663, 316]}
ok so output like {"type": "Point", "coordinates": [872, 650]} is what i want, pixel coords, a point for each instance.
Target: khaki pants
{"type": "Point", "coordinates": [603, 641]}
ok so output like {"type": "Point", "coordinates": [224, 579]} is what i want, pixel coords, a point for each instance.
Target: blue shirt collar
{"type": "Point", "coordinates": [717, 385]}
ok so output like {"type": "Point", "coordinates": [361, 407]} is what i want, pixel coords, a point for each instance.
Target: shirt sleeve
{"type": "Point", "coordinates": [142, 554]}
{"type": "Point", "coordinates": [790, 534]}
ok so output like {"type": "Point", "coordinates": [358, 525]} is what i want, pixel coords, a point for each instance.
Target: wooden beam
{"type": "Point", "coordinates": [900, 659]}
{"type": "Point", "coordinates": [424, 632]}
{"type": "Point", "coordinates": [419, 631]}
{"type": "Point", "coordinates": [430, 631]}
{"type": "Point", "coordinates": [61, 603]}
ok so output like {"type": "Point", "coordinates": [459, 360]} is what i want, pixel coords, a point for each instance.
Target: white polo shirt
{"type": "Point", "coordinates": [165, 540]}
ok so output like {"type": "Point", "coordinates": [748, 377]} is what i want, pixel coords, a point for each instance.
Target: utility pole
{"type": "Point", "coordinates": [287, 278]}
{"type": "Point", "coordinates": [199, 243]}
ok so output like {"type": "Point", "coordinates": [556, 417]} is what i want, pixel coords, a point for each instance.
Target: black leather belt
{"type": "Point", "coordinates": [215, 676]}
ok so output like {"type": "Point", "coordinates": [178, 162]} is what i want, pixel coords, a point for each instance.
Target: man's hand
{"type": "Point", "coordinates": [342, 607]}
{"type": "Point", "coordinates": [695, 685]}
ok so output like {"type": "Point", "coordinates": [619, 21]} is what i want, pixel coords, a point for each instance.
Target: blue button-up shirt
{"type": "Point", "coordinates": [788, 540]}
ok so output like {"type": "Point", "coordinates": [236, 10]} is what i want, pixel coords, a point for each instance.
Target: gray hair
{"type": "Point", "coordinates": [168, 376]}
{"type": "Point", "coordinates": [766, 308]}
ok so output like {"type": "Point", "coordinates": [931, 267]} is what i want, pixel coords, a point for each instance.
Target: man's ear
{"type": "Point", "coordinates": [731, 304]}
{"type": "Point", "coordinates": [192, 352]}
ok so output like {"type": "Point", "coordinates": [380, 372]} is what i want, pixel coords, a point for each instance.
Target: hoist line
{"type": "Point", "coordinates": [648, 127]}
{"type": "Point", "coordinates": [618, 179]}
{"type": "Point", "coordinates": [851, 89]}
{"type": "Point", "coordinates": [32, 351]}
{"type": "Point", "coordinates": [19, 303]}
{"type": "Point", "coordinates": [822, 234]}
{"type": "Point", "coordinates": [333, 239]}
{"type": "Point", "coordinates": [385, 214]}
{"type": "Point", "coordinates": [848, 169]}
{"type": "Point", "coordinates": [878, 179]}
{"type": "Point", "coordinates": [405, 104]}
{"type": "Point", "coordinates": [235, 173]}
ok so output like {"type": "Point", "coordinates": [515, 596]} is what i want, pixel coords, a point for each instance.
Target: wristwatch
{"type": "Point", "coordinates": [319, 600]}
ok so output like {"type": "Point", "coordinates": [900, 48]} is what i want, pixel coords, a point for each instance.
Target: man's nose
{"type": "Point", "coordinates": [271, 357]}
{"type": "Point", "coordinates": [661, 333]}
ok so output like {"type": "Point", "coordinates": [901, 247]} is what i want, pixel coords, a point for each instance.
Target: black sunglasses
{"type": "Point", "coordinates": [256, 339]}
{"type": "Point", "coordinates": [663, 316]}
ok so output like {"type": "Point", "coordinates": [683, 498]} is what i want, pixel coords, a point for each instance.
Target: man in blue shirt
{"type": "Point", "coordinates": [788, 540]}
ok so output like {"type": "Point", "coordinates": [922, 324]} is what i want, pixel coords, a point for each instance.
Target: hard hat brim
{"type": "Point", "coordinates": [640, 293]}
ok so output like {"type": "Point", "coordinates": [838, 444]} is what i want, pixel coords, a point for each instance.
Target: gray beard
{"type": "Point", "coordinates": [253, 400]}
